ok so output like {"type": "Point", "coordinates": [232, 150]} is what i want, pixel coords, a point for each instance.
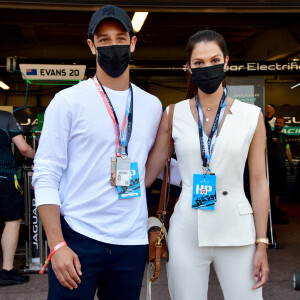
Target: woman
{"type": "Point", "coordinates": [213, 221]}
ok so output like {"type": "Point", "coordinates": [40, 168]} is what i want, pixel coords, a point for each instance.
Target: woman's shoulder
{"type": "Point", "coordinates": [179, 105]}
{"type": "Point", "coordinates": [244, 108]}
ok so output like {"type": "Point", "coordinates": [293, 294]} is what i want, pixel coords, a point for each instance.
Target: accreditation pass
{"type": "Point", "coordinates": [123, 171]}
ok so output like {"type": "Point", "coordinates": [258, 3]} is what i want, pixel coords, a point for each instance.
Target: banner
{"type": "Point", "coordinates": [47, 73]}
{"type": "Point", "coordinates": [238, 68]}
{"type": "Point", "coordinates": [250, 90]}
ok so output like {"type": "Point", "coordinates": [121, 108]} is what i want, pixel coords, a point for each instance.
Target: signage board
{"type": "Point", "coordinates": [39, 73]}
{"type": "Point", "coordinates": [247, 89]}
{"type": "Point", "coordinates": [262, 67]}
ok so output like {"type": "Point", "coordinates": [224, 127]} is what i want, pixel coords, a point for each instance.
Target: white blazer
{"type": "Point", "coordinates": [231, 223]}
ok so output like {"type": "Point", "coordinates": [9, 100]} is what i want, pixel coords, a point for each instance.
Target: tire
{"type": "Point", "coordinates": [275, 245]}
{"type": "Point", "coordinates": [296, 279]}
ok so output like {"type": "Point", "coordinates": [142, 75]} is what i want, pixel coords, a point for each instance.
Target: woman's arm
{"type": "Point", "coordinates": [159, 152]}
{"type": "Point", "coordinates": [260, 199]}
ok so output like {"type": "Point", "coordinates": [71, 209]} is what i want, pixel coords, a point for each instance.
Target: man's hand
{"type": "Point", "coordinates": [66, 266]}
{"type": "Point", "coordinates": [261, 266]}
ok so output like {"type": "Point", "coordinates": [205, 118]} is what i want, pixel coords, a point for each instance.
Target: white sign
{"type": "Point", "coordinates": [52, 72]}
{"type": "Point", "coordinates": [264, 66]}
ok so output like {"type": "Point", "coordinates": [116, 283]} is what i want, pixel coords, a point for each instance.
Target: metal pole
{"type": "Point", "coordinates": [270, 213]}
{"type": "Point", "coordinates": [41, 244]}
{"type": "Point", "coordinates": [27, 198]}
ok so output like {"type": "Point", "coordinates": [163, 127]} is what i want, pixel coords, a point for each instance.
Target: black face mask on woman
{"type": "Point", "coordinates": [208, 79]}
{"type": "Point", "coordinates": [114, 60]}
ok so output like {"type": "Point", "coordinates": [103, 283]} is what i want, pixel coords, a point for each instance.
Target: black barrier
{"type": "Point", "coordinates": [35, 245]}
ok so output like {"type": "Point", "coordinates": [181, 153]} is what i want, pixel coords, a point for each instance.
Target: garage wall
{"type": "Point", "coordinates": [280, 93]}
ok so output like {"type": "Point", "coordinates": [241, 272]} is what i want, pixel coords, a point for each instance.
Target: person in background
{"type": "Point", "coordinates": [89, 172]}
{"type": "Point", "coordinates": [213, 222]}
{"type": "Point", "coordinates": [11, 204]}
{"type": "Point", "coordinates": [278, 151]}
{"type": "Point", "coordinates": [269, 113]}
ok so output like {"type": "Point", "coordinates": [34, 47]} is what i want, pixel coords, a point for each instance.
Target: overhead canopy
{"type": "Point", "coordinates": [52, 31]}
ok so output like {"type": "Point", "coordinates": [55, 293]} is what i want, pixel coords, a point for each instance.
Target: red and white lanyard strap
{"type": "Point", "coordinates": [123, 133]}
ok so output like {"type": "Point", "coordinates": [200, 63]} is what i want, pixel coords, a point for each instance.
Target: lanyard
{"type": "Point", "coordinates": [207, 145]}
{"type": "Point", "coordinates": [123, 133]}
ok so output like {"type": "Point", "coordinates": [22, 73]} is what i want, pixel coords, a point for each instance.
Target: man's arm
{"type": "Point", "coordinates": [64, 262]}
{"type": "Point", "coordinates": [290, 159]}
{"type": "Point", "coordinates": [23, 147]}
{"type": "Point", "coordinates": [289, 156]}
{"type": "Point", "coordinates": [49, 165]}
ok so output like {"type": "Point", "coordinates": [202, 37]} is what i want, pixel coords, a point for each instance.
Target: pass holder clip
{"type": "Point", "coordinates": [206, 170]}
{"type": "Point", "coordinates": [113, 171]}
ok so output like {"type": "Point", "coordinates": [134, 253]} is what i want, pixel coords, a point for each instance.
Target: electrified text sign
{"type": "Point", "coordinates": [264, 67]}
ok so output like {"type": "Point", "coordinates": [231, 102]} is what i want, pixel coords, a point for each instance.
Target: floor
{"type": "Point", "coordinates": [283, 262]}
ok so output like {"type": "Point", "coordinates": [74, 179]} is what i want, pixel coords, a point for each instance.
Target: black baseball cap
{"type": "Point", "coordinates": [109, 12]}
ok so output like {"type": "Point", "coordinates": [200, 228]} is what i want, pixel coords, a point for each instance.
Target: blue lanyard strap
{"type": "Point", "coordinates": [125, 131]}
{"type": "Point", "coordinates": [206, 148]}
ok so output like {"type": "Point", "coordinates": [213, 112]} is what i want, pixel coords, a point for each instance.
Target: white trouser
{"type": "Point", "coordinates": [188, 270]}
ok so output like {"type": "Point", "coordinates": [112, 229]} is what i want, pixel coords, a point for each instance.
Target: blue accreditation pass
{"type": "Point", "coordinates": [204, 191]}
{"type": "Point", "coordinates": [134, 189]}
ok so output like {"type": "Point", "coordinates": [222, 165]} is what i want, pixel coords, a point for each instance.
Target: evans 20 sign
{"type": "Point", "coordinates": [52, 72]}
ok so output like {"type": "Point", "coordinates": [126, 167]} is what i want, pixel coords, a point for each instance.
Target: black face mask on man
{"type": "Point", "coordinates": [278, 128]}
{"type": "Point", "coordinates": [208, 79]}
{"type": "Point", "coordinates": [268, 118]}
{"type": "Point", "coordinates": [114, 59]}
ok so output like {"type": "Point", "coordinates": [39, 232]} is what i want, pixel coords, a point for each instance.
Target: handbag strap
{"type": "Point", "coordinates": [165, 189]}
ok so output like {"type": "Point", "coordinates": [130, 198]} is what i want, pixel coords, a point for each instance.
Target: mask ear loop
{"type": "Point", "coordinates": [96, 51]}
{"type": "Point", "coordinates": [95, 46]}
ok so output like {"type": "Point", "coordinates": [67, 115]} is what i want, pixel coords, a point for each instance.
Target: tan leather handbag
{"type": "Point", "coordinates": [158, 249]}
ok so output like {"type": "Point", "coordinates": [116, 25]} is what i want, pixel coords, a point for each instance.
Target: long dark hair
{"type": "Point", "coordinates": [202, 36]}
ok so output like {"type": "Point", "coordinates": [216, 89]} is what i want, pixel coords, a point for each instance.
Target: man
{"type": "Point", "coordinates": [11, 206]}
{"type": "Point", "coordinates": [278, 151]}
{"type": "Point", "coordinates": [269, 113]}
{"type": "Point", "coordinates": [85, 132]}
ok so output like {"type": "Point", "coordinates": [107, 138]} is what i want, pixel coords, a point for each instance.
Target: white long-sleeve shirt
{"type": "Point", "coordinates": [72, 166]}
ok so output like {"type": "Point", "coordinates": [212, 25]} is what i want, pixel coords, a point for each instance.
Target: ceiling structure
{"type": "Point", "coordinates": [46, 31]}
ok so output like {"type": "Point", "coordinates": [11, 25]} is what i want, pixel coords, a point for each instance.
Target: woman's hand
{"type": "Point", "coordinates": [261, 266]}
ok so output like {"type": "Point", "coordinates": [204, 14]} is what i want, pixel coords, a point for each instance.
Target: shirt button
{"type": "Point", "coordinates": [225, 193]}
